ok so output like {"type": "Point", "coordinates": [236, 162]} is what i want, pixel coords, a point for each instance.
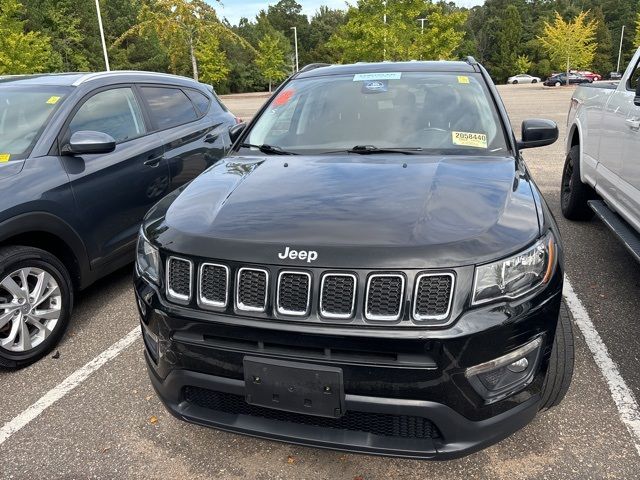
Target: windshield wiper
{"type": "Point", "coordinates": [268, 149]}
{"type": "Point", "coordinates": [371, 149]}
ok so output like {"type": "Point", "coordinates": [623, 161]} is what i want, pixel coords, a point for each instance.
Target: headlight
{"type": "Point", "coordinates": [517, 275]}
{"type": "Point", "coordinates": [147, 258]}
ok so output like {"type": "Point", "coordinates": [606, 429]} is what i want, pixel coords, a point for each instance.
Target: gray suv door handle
{"type": "Point", "coordinates": [633, 123]}
{"type": "Point", "coordinates": [154, 161]}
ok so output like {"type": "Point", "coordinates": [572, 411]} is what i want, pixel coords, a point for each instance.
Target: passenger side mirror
{"type": "Point", "coordinates": [85, 142]}
{"type": "Point", "coordinates": [538, 132]}
{"type": "Point", "coordinates": [236, 130]}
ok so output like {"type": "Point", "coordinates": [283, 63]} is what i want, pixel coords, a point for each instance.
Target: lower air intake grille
{"type": "Point", "coordinates": [337, 296]}
{"type": "Point", "coordinates": [213, 285]}
{"type": "Point", "coordinates": [384, 297]}
{"type": "Point", "coordinates": [179, 279]}
{"type": "Point", "coordinates": [433, 296]}
{"type": "Point", "coordinates": [294, 289]}
{"type": "Point", "coordinates": [404, 426]}
{"type": "Point", "coordinates": [251, 289]}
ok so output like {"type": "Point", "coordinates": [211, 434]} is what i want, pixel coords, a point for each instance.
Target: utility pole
{"type": "Point", "coordinates": [104, 44]}
{"type": "Point", "coordinates": [620, 50]}
{"type": "Point", "coordinates": [384, 20]}
{"type": "Point", "coordinates": [295, 42]}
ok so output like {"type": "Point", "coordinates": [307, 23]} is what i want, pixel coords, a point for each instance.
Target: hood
{"type": "Point", "coordinates": [370, 211]}
{"type": "Point", "coordinates": [9, 169]}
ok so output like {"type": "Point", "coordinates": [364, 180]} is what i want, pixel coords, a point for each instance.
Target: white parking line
{"type": "Point", "coordinates": [68, 384]}
{"type": "Point", "coordinates": [622, 395]}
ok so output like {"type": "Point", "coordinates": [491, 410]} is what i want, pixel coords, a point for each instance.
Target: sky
{"type": "Point", "coordinates": [234, 9]}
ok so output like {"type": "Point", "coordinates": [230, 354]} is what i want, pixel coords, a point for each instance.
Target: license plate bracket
{"type": "Point", "coordinates": [294, 387]}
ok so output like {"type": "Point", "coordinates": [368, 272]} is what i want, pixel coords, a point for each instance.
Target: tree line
{"type": "Point", "coordinates": [188, 37]}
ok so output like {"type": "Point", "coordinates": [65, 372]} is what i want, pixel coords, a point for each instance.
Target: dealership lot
{"type": "Point", "coordinates": [112, 425]}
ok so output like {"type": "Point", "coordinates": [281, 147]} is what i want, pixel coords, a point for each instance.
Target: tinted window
{"type": "Point", "coordinates": [169, 106]}
{"type": "Point", "coordinates": [432, 111]}
{"type": "Point", "coordinates": [115, 112]}
{"type": "Point", "coordinates": [200, 100]}
{"type": "Point", "coordinates": [632, 83]}
{"type": "Point", "coordinates": [24, 112]}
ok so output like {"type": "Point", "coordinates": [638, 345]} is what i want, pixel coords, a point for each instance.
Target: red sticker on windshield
{"type": "Point", "coordinates": [283, 97]}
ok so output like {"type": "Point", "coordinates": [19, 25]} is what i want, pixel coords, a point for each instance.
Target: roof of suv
{"type": "Point", "coordinates": [411, 66]}
{"type": "Point", "coordinates": [76, 78]}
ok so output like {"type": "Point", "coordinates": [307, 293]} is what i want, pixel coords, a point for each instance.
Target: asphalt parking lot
{"type": "Point", "coordinates": [111, 425]}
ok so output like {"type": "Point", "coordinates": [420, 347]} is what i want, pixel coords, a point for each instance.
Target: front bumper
{"type": "Point", "coordinates": [417, 405]}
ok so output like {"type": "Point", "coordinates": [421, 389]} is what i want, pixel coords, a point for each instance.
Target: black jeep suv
{"type": "Point", "coordinates": [372, 269]}
{"type": "Point", "coordinates": [82, 159]}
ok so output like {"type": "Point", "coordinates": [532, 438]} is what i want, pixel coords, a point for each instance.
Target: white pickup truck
{"type": "Point", "coordinates": [602, 170]}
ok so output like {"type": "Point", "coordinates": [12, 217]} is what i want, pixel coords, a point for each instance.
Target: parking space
{"type": "Point", "coordinates": [111, 425]}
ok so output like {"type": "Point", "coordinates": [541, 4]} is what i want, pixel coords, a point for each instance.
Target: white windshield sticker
{"type": "Point", "coordinates": [359, 77]}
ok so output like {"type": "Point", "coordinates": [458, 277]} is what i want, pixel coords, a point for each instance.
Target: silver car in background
{"type": "Point", "coordinates": [523, 78]}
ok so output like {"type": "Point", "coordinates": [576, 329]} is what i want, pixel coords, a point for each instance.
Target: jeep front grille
{"type": "Point", "coordinates": [432, 299]}
{"type": "Point", "coordinates": [338, 295]}
{"type": "Point", "coordinates": [179, 279]}
{"type": "Point", "coordinates": [214, 289]}
{"type": "Point", "coordinates": [385, 296]}
{"type": "Point", "coordinates": [251, 289]}
{"type": "Point", "coordinates": [294, 293]}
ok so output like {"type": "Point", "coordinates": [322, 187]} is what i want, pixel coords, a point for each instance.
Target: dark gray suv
{"type": "Point", "coordinates": [82, 158]}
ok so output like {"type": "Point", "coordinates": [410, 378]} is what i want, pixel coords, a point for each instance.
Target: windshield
{"type": "Point", "coordinates": [422, 112]}
{"type": "Point", "coordinates": [24, 112]}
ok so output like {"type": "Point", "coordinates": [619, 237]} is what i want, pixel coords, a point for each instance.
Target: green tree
{"type": "Point", "coordinates": [364, 37]}
{"type": "Point", "coordinates": [20, 51]}
{"type": "Point", "coordinates": [636, 38]}
{"type": "Point", "coordinates": [507, 43]}
{"type": "Point", "coordinates": [522, 64]}
{"type": "Point", "coordinates": [570, 43]}
{"type": "Point", "coordinates": [602, 59]}
{"type": "Point", "coordinates": [184, 28]}
{"type": "Point", "coordinates": [271, 58]}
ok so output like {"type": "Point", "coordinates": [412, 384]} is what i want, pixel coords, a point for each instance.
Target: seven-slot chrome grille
{"type": "Point", "coordinates": [349, 296]}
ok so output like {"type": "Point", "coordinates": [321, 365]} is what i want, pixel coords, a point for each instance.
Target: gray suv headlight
{"type": "Point", "coordinates": [516, 276]}
{"type": "Point", "coordinates": [147, 258]}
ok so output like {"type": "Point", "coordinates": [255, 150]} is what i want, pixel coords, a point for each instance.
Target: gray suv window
{"type": "Point", "coordinates": [169, 106]}
{"type": "Point", "coordinates": [115, 112]}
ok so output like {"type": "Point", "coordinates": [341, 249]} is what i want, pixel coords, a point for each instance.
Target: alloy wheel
{"type": "Point", "coordinates": [30, 308]}
{"type": "Point", "coordinates": [567, 183]}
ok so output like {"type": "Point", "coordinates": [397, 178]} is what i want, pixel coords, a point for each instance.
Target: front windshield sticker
{"type": "Point", "coordinates": [283, 97]}
{"type": "Point", "coordinates": [463, 79]}
{"type": "Point", "coordinates": [375, 86]}
{"type": "Point", "coordinates": [53, 100]}
{"type": "Point", "coordinates": [4, 157]}
{"type": "Point", "coordinates": [467, 139]}
{"type": "Point", "coordinates": [360, 77]}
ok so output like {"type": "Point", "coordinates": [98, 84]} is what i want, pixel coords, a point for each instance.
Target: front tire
{"type": "Point", "coordinates": [534, 81]}
{"type": "Point", "coordinates": [575, 195]}
{"type": "Point", "coordinates": [558, 84]}
{"type": "Point", "coordinates": [515, 82]}
{"type": "Point", "coordinates": [560, 370]}
{"type": "Point", "coordinates": [36, 298]}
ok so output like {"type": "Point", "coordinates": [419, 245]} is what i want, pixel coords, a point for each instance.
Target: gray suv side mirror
{"type": "Point", "coordinates": [538, 132]}
{"type": "Point", "coordinates": [85, 142]}
{"type": "Point", "coordinates": [236, 130]}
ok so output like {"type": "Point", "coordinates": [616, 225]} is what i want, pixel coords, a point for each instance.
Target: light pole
{"type": "Point", "coordinates": [620, 50]}
{"type": "Point", "coordinates": [422, 20]}
{"type": "Point", "coordinates": [384, 41]}
{"type": "Point", "coordinates": [104, 44]}
{"type": "Point", "coordinates": [295, 42]}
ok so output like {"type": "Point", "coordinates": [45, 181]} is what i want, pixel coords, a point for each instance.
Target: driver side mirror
{"type": "Point", "coordinates": [236, 130]}
{"type": "Point", "coordinates": [538, 132]}
{"type": "Point", "coordinates": [86, 142]}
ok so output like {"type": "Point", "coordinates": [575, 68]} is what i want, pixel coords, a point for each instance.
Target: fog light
{"type": "Point", "coordinates": [518, 366]}
{"type": "Point", "coordinates": [503, 376]}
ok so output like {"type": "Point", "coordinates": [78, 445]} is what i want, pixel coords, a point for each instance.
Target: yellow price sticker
{"type": "Point", "coordinates": [463, 79]}
{"type": "Point", "coordinates": [468, 139]}
{"type": "Point", "coordinates": [53, 100]}
{"type": "Point", "coordinates": [4, 157]}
